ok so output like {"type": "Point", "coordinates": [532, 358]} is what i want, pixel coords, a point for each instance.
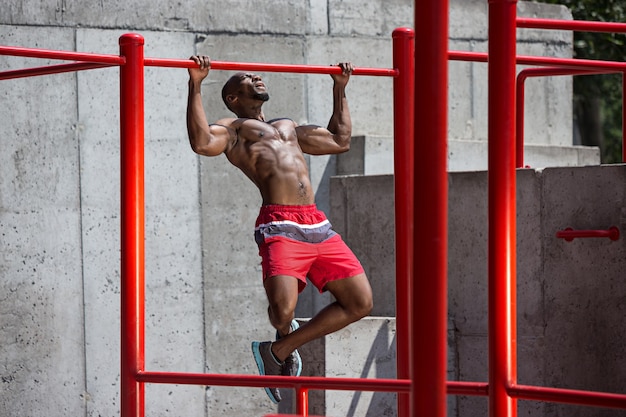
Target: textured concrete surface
{"type": "Point", "coordinates": [59, 185]}
{"type": "Point", "coordinates": [569, 294]}
{"type": "Point", "coordinates": [373, 155]}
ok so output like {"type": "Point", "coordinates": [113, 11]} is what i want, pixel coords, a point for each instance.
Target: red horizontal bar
{"type": "Point", "coordinates": [467, 388]}
{"type": "Point", "coordinates": [575, 25]}
{"type": "Point", "coordinates": [351, 384]}
{"type": "Point", "coordinates": [574, 63]}
{"type": "Point", "coordinates": [52, 69]}
{"type": "Point", "coordinates": [262, 67]}
{"type": "Point", "coordinates": [346, 384]}
{"type": "Point", "coordinates": [568, 396]}
{"type": "Point", "coordinates": [570, 234]}
{"type": "Point", "coordinates": [548, 71]}
{"type": "Point", "coordinates": [63, 55]}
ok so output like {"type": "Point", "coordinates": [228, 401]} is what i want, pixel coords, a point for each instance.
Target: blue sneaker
{"type": "Point", "coordinates": [268, 365]}
{"type": "Point", "coordinates": [293, 362]}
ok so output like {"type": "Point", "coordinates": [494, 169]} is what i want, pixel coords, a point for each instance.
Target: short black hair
{"type": "Point", "coordinates": [230, 87]}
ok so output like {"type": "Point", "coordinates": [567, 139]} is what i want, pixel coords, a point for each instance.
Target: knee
{"type": "Point", "coordinates": [281, 314]}
{"type": "Point", "coordinates": [362, 307]}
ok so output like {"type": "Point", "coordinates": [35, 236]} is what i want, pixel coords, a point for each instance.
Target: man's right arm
{"type": "Point", "coordinates": [205, 139]}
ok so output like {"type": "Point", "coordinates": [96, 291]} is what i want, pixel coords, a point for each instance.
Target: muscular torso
{"type": "Point", "coordinates": [269, 154]}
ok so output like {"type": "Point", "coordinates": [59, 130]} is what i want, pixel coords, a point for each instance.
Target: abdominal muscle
{"type": "Point", "coordinates": [270, 156]}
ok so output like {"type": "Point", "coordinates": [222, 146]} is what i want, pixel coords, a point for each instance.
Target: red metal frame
{"type": "Point", "coordinates": [561, 66]}
{"type": "Point", "coordinates": [519, 107]}
{"type": "Point", "coordinates": [501, 242]}
{"type": "Point", "coordinates": [430, 235]}
{"type": "Point", "coordinates": [404, 108]}
{"type": "Point", "coordinates": [136, 374]}
{"type": "Point", "coordinates": [573, 25]}
{"type": "Point", "coordinates": [422, 242]}
{"type": "Point", "coordinates": [132, 225]}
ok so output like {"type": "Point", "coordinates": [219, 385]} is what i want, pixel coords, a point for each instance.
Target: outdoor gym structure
{"type": "Point", "coordinates": [420, 99]}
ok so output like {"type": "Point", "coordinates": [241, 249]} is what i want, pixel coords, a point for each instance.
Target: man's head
{"type": "Point", "coordinates": [243, 87]}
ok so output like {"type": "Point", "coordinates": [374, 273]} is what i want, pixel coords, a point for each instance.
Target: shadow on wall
{"type": "Point", "coordinates": [382, 358]}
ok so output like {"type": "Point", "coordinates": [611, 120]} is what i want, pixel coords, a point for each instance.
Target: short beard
{"type": "Point", "coordinates": [261, 96]}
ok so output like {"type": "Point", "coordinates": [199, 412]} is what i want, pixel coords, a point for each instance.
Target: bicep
{"type": "Point", "coordinates": [219, 137]}
{"type": "Point", "coordinates": [317, 140]}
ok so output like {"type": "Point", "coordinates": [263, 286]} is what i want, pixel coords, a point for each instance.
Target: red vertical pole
{"type": "Point", "coordinates": [132, 224]}
{"type": "Point", "coordinates": [623, 116]}
{"type": "Point", "coordinates": [302, 401]}
{"type": "Point", "coordinates": [403, 113]}
{"type": "Point", "coordinates": [502, 232]}
{"type": "Point", "coordinates": [519, 120]}
{"type": "Point", "coordinates": [430, 236]}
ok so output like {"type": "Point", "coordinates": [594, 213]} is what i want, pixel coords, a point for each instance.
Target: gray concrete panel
{"type": "Point", "coordinates": [41, 307]}
{"type": "Point", "coordinates": [370, 98]}
{"type": "Point", "coordinates": [469, 19]}
{"type": "Point", "coordinates": [62, 220]}
{"type": "Point", "coordinates": [236, 306]}
{"type": "Point", "coordinates": [174, 320]}
{"type": "Point", "coordinates": [569, 328]}
{"type": "Point", "coordinates": [286, 16]}
{"type": "Point", "coordinates": [363, 214]}
{"type": "Point", "coordinates": [584, 281]}
{"type": "Point", "coordinates": [547, 116]}
{"type": "Point", "coordinates": [364, 349]}
{"type": "Point", "coordinates": [462, 84]}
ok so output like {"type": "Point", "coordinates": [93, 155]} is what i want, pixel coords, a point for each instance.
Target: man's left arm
{"type": "Point", "coordinates": [336, 137]}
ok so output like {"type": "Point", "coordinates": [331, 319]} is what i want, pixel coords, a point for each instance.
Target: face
{"type": "Point", "coordinates": [252, 86]}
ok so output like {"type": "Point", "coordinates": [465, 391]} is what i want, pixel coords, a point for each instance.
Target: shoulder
{"type": "Point", "coordinates": [282, 119]}
{"type": "Point", "coordinates": [225, 122]}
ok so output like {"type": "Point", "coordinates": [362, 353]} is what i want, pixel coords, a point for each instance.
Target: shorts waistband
{"type": "Point", "coordinates": [273, 208]}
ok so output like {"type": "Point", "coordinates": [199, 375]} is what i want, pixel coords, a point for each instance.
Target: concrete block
{"type": "Point", "coordinates": [469, 20]}
{"type": "Point", "coordinates": [548, 107]}
{"type": "Point", "coordinates": [350, 18]}
{"type": "Point", "coordinates": [160, 16]}
{"type": "Point", "coordinates": [532, 9]}
{"type": "Point", "coordinates": [462, 85]}
{"type": "Point", "coordinates": [584, 280]}
{"type": "Point", "coordinates": [369, 155]}
{"type": "Point", "coordinates": [365, 349]}
{"type": "Point", "coordinates": [367, 226]}
{"type": "Point", "coordinates": [547, 114]}
{"type": "Point", "coordinates": [318, 17]}
{"type": "Point", "coordinates": [373, 155]}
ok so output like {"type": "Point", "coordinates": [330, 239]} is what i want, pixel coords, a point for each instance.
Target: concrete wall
{"type": "Point", "coordinates": [570, 294]}
{"type": "Point", "coordinates": [59, 184]}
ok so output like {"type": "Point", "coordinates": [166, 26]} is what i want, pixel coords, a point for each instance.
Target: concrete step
{"type": "Point", "coordinates": [373, 155]}
{"type": "Point", "coordinates": [365, 349]}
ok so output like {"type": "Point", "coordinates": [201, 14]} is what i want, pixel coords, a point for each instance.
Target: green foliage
{"type": "Point", "coordinates": [606, 90]}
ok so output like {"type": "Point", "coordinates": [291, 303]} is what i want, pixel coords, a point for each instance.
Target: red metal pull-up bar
{"type": "Point", "coordinates": [264, 67]}
{"type": "Point", "coordinates": [570, 234]}
{"type": "Point", "coordinates": [519, 99]}
{"type": "Point", "coordinates": [132, 63]}
{"type": "Point", "coordinates": [133, 374]}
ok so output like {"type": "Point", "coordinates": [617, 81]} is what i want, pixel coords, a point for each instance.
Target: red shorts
{"type": "Point", "coordinates": [298, 241]}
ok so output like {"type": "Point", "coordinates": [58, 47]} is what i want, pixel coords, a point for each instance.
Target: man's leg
{"type": "Point", "coordinates": [282, 296]}
{"type": "Point", "coordinates": [354, 301]}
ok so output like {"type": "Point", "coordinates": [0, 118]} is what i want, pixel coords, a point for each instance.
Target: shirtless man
{"type": "Point", "coordinates": [295, 239]}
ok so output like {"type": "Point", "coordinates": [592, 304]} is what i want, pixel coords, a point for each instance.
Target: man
{"type": "Point", "coordinates": [295, 239]}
